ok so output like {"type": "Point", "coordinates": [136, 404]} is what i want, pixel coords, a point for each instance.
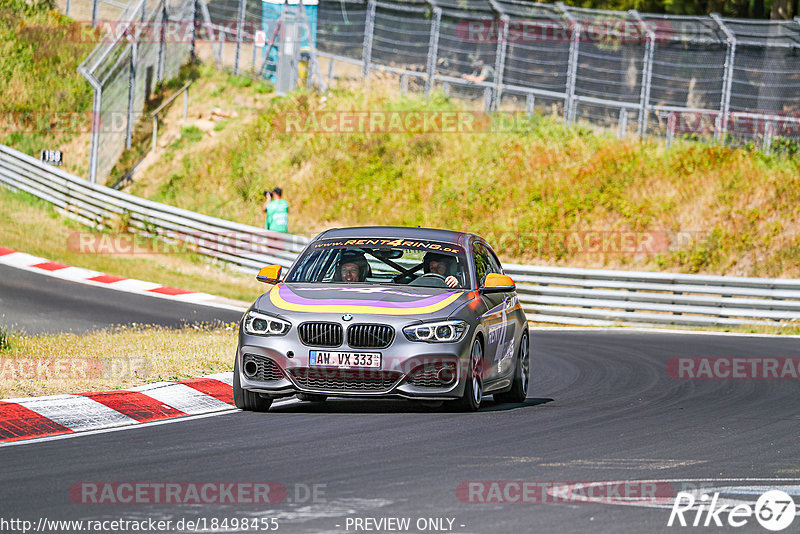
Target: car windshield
{"type": "Point", "coordinates": [383, 261]}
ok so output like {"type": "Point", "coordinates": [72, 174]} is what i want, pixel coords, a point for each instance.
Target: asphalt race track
{"type": "Point", "coordinates": [37, 303]}
{"type": "Point", "coordinates": [601, 407]}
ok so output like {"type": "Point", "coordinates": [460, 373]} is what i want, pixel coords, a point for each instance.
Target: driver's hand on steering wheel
{"type": "Point", "coordinates": [451, 281]}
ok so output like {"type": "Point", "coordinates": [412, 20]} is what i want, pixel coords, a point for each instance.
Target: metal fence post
{"type": "Point", "coordinates": [572, 72]}
{"type": "Point", "coordinates": [672, 119]}
{"type": "Point", "coordinates": [530, 103]}
{"type": "Point", "coordinates": [500, 61]}
{"type": "Point", "coordinates": [622, 125]}
{"type": "Point", "coordinates": [647, 76]}
{"type": "Point", "coordinates": [67, 8]}
{"type": "Point", "coordinates": [97, 102]}
{"type": "Point", "coordinates": [131, 91]}
{"type": "Point", "coordinates": [727, 80]}
{"type": "Point", "coordinates": [155, 132]}
{"type": "Point", "coordinates": [239, 35]}
{"type": "Point", "coordinates": [369, 29]}
{"type": "Point", "coordinates": [209, 26]}
{"type": "Point", "coordinates": [163, 45]}
{"type": "Point", "coordinates": [433, 49]}
{"type": "Point", "coordinates": [94, 13]}
{"type": "Point", "coordinates": [769, 132]}
{"type": "Point", "coordinates": [193, 50]}
{"type": "Point", "coordinates": [572, 62]}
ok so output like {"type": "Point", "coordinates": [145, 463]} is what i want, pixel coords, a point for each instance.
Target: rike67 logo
{"type": "Point", "coordinates": [774, 510]}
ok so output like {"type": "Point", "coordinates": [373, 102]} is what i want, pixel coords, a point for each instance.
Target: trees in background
{"type": "Point", "coordinates": [757, 9]}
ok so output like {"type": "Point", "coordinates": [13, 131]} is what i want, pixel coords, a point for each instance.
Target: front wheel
{"type": "Point", "coordinates": [473, 389]}
{"type": "Point", "coordinates": [522, 374]}
{"type": "Point", "coordinates": [247, 400]}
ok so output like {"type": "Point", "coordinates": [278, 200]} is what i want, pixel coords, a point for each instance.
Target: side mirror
{"type": "Point", "coordinates": [270, 274]}
{"type": "Point", "coordinates": [498, 283]}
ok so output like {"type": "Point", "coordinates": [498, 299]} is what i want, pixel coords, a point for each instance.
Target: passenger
{"type": "Point", "coordinates": [440, 264]}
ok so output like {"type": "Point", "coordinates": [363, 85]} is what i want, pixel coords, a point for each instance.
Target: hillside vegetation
{"type": "Point", "coordinates": [537, 193]}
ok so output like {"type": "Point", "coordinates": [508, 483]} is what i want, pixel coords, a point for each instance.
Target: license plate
{"type": "Point", "coordinates": [344, 360]}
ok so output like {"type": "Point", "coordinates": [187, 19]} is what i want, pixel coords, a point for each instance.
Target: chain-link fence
{"type": "Point", "coordinates": [145, 42]}
{"type": "Point", "coordinates": [140, 45]}
{"type": "Point", "coordinates": [736, 81]}
{"type": "Point", "coordinates": [92, 11]}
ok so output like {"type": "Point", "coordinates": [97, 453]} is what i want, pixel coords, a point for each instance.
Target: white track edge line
{"type": "Point", "coordinates": [136, 425]}
{"type": "Point", "coordinates": [53, 274]}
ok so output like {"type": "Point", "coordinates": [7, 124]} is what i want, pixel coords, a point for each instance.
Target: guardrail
{"type": "Point", "coordinates": [599, 297]}
{"type": "Point", "coordinates": [548, 294]}
{"type": "Point", "coordinates": [102, 208]}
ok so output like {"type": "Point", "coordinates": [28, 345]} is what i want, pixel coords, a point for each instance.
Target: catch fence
{"type": "Point", "coordinates": [708, 78]}
{"type": "Point", "coordinates": [730, 80]}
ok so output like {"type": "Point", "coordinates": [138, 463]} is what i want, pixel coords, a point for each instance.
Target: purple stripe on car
{"type": "Point", "coordinates": [289, 296]}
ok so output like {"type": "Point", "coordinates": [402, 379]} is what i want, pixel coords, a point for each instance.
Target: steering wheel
{"type": "Point", "coordinates": [432, 277]}
{"type": "Point", "coordinates": [404, 278]}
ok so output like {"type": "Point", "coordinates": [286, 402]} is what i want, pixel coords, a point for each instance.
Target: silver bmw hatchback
{"type": "Point", "coordinates": [378, 312]}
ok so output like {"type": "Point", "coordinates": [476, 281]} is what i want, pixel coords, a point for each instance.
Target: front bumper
{"type": "Point", "coordinates": [412, 370]}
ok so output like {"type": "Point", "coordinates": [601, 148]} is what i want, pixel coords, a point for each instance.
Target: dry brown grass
{"type": "Point", "coordinates": [111, 359]}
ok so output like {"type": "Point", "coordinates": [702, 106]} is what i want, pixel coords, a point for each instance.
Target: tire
{"type": "Point", "coordinates": [522, 375]}
{"type": "Point", "coordinates": [311, 397]}
{"type": "Point", "coordinates": [473, 389]}
{"type": "Point", "coordinates": [247, 400]}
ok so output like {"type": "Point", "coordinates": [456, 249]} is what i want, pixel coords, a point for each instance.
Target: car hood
{"type": "Point", "coordinates": [378, 300]}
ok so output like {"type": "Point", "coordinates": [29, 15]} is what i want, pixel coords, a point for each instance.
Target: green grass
{"type": "Point", "coordinates": [239, 81]}
{"type": "Point", "coordinates": [191, 133]}
{"type": "Point", "coordinates": [36, 228]}
{"type": "Point", "coordinates": [725, 211]}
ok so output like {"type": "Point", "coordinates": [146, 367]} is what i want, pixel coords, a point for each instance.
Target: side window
{"type": "Point", "coordinates": [494, 264]}
{"type": "Point", "coordinates": [482, 264]}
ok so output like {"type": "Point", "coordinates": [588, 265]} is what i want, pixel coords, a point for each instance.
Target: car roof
{"type": "Point", "coordinates": [399, 232]}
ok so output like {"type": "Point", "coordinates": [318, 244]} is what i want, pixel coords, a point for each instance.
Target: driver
{"type": "Point", "coordinates": [353, 267]}
{"type": "Point", "coordinates": [442, 265]}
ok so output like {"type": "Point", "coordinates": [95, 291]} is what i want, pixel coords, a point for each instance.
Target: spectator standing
{"type": "Point", "coordinates": [277, 211]}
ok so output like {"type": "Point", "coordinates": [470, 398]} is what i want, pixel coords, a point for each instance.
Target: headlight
{"type": "Point", "coordinates": [438, 332]}
{"type": "Point", "coordinates": [259, 324]}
